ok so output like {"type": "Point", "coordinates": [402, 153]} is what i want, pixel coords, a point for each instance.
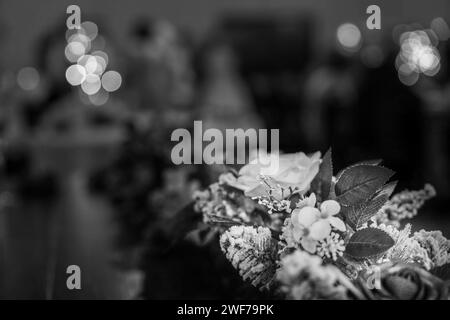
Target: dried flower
{"type": "Point", "coordinates": [331, 247]}
{"type": "Point", "coordinates": [406, 249]}
{"type": "Point", "coordinates": [436, 245]}
{"type": "Point", "coordinates": [404, 205]}
{"type": "Point", "coordinates": [303, 277]}
{"type": "Point", "coordinates": [215, 201]}
{"type": "Point", "coordinates": [252, 251]}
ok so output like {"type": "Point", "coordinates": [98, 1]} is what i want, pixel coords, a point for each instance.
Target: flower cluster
{"type": "Point", "coordinates": [406, 248]}
{"type": "Point", "coordinates": [252, 251]}
{"type": "Point", "coordinates": [404, 205]}
{"type": "Point", "coordinates": [310, 228]}
{"type": "Point", "coordinates": [302, 232]}
{"type": "Point", "coordinates": [217, 202]}
{"type": "Point", "coordinates": [303, 277]}
{"type": "Point", "coordinates": [436, 246]}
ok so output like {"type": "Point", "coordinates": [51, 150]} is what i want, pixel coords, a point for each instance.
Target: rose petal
{"type": "Point", "coordinates": [337, 223]}
{"type": "Point", "coordinates": [309, 244]}
{"type": "Point", "coordinates": [257, 190]}
{"type": "Point", "coordinates": [320, 230]}
{"type": "Point", "coordinates": [250, 170]}
{"type": "Point", "coordinates": [307, 216]}
{"type": "Point", "coordinates": [330, 207]}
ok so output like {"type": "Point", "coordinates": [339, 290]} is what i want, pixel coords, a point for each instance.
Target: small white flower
{"type": "Point", "coordinates": [331, 247]}
{"type": "Point", "coordinates": [308, 229]}
{"type": "Point", "coordinates": [328, 209]}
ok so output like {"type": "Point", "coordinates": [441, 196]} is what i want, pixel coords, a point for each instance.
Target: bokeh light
{"type": "Point", "coordinates": [440, 27]}
{"type": "Point", "coordinates": [407, 75]}
{"type": "Point", "coordinates": [111, 81]}
{"type": "Point", "coordinates": [349, 37]}
{"type": "Point", "coordinates": [76, 74]}
{"type": "Point", "coordinates": [418, 55]}
{"type": "Point", "coordinates": [89, 68]}
{"type": "Point", "coordinates": [74, 50]}
{"type": "Point", "coordinates": [102, 55]}
{"type": "Point", "coordinates": [28, 78]}
{"type": "Point", "coordinates": [90, 29]}
{"type": "Point", "coordinates": [91, 85]}
{"type": "Point", "coordinates": [91, 65]}
{"type": "Point", "coordinates": [99, 98]}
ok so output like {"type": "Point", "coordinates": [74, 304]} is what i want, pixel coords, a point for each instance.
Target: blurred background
{"type": "Point", "coordinates": [86, 117]}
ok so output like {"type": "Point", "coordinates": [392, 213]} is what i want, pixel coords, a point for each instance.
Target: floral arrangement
{"type": "Point", "coordinates": [302, 232]}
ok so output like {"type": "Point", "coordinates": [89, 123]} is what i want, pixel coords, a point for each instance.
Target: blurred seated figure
{"type": "Point", "coordinates": [225, 101]}
{"type": "Point", "coordinates": [162, 75]}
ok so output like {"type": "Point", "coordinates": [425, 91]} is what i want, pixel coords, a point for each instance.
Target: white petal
{"type": "Point", "coordinates": [320, 229]}
{"type": "Point", "coordinates": [312, 200]}
{"type": "Point", "coordinates": [257, 190]}
{"type": "Point", "coordinates": [337, 223]}
{"type": "Point", "coordinates": [297, 233]}
{"type": "Point", "coordinates": [330, 207]}
{"type": "Point", "coordinates": [309, 244]}
{"type": "Point", "coordinates": [307, 216]}
{"type": "Point", "coordinates": [294, 217]}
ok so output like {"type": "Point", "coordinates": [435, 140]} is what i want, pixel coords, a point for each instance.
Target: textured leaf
{"type": "Point", "coordinates": [388, 189]}
{"type": "Point", "coordinates": [442, 272]}
{"type": "Point", "coordinates": [367, 243]}
{"type": "Point", "coordinates": [359, 214]}
{"type": "Point", "coordinates": [374, 162]}
{"type": "Point", "coordinates": [359, 183]}
{"type": "Point", "coordinates": [322, 181]}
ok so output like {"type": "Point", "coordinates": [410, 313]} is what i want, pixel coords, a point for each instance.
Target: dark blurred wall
{"type": "Point", "coordinates": [24, 20]}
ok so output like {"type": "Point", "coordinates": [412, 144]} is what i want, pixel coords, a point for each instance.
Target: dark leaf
{"type": "Point", "coordinates": [374, 162]}
{"type": "Point", "coordinates": [322, 181]}
{"type": "Point", "coordinates": [367, 243]}
{"type": "Point", "coordinates": [388, 189]}
{"type": "Point", "coordinates": [359, 214]}
{"type": "Point", "coordinates": [359, 183]}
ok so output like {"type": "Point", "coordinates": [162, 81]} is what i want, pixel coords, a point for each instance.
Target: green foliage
{"type": "Point", "coordinates": [368, 243]}
{"type": "Point", "coordinates": [359, 183]}
{"type": "Point", "coordinates": [357, 215]}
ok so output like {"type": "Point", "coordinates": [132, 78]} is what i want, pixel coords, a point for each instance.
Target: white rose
{"type": "Point", "coordinates": [295, 171]}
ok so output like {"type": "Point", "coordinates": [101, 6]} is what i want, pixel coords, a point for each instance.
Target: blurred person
{"type": "Point", "coordinates": [162, 79]}
{"type": "Point", "coordinates": [224, 100]}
